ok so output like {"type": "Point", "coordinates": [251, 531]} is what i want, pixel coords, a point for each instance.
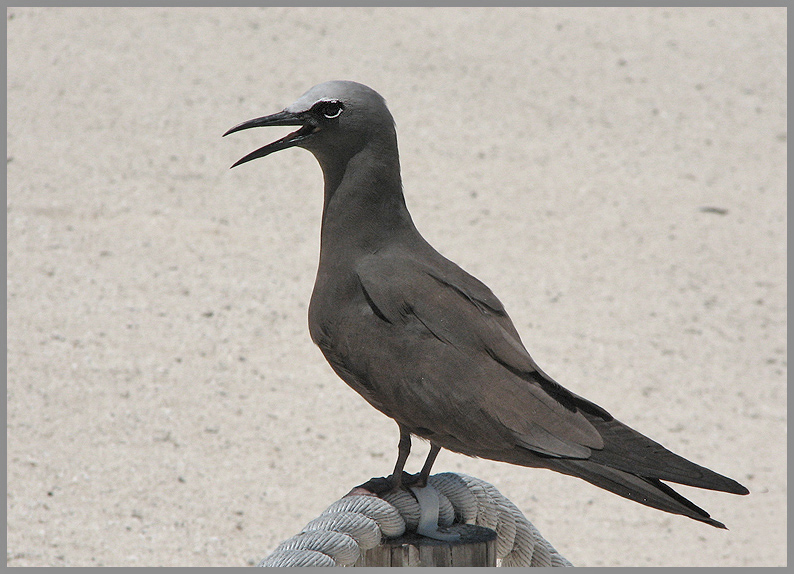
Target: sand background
{"type": "Point", "coordinates": [165, 403]}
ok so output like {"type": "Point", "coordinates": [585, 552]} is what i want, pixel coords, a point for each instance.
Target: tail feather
{"type": "Point", "coordinates": [648, 491]}
{"type": "Point", "coordinates": [627, 450]}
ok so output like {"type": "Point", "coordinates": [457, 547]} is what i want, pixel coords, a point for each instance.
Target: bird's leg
{"type": "Point", "coordinates": [424, 474]}
{"type": "Point", "coordinates": [403, 450]}
{"type": "Point", "coordinates": [381, 486]}
{"type": "Point", "coordinates": [428, 499]}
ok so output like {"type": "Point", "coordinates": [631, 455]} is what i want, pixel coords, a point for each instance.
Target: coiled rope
{"type": "Point", "coordinates": [358, 522]}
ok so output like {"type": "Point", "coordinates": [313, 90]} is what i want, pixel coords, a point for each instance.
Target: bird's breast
{"type": "Point", "coordinates": [338, 313]}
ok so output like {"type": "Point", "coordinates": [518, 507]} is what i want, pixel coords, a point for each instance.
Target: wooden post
{"type": "Point", "coordinates": [476, 547]}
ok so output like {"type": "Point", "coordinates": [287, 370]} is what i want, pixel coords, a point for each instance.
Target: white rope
{"type": "Point", "coordinates": [357, 523]}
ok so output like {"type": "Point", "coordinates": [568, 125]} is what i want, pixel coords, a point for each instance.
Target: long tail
{"type": "Point", "coordinates": [630, 451]}
{"type": "Point", "coordinates": [648, 491]}
{"type": "Point", "coordinates": [633, 466]}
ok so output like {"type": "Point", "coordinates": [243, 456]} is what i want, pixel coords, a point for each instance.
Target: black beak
{"type": "Point", "coordinates": [283, 118]}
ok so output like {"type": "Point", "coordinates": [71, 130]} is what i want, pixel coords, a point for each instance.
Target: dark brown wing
{"type": "Point", "coordinates": [492, 366]}
{"type": "Point", "coordinates": [463, 345]}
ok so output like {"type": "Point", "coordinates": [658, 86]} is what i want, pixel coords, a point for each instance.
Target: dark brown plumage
{"type": "Point", "coordinates": [432, 347]}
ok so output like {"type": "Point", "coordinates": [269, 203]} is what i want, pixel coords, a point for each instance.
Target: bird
{"type": "Point", "coordinates": [431, 346]}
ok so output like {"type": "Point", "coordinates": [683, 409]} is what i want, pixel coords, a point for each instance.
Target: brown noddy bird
{"type": "Point", "coordinates": [431, 346]}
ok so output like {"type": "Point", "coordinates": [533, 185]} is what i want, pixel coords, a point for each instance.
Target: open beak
{"type": "Point", "coordinates": [283, 118]}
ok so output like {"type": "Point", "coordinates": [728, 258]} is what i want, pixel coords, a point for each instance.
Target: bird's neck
{"type": "Point", "coordinates": [364, 207]}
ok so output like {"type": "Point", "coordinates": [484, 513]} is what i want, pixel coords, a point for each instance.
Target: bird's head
{"type": "Point", "coordinates": [336, 119]}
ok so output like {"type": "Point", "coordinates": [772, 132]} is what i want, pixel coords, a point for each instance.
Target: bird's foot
{"type": "Point", "coordinates": [409, 481]}
{"type": "Point", "coordinates": [385, 485]}
{"type": "Point", "coordinates": [377, 486]}
{"type": "Point", "coordinates": [426, 496]}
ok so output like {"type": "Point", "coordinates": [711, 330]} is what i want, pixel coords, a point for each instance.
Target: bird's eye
{"type": "Point", "coordinates": [331, 110]}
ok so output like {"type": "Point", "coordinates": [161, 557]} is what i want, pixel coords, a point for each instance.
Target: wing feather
{"type": "Point", "coordinates": [490, 363]}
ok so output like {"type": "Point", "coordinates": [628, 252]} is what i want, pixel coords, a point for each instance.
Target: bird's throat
{"type": "Point", "coordinates": [364, 206]}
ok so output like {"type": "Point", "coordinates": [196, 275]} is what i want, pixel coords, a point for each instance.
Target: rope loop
{"type": "Point", "coordinates": [358, 522]}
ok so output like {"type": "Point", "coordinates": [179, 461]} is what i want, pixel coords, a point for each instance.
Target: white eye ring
{"type": "Point", "coordinates": [332, 109]}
